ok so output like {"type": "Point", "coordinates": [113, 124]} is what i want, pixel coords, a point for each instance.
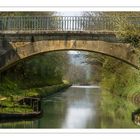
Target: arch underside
{"type": "Point", "coordinates": [25, 50]}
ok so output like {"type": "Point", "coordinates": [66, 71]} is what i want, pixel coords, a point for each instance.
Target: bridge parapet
{"type": "Point", "coordinates": [63, 23]}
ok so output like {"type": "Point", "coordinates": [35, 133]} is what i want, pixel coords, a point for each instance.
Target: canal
{"type": "Point", "coordinates": [81, 107]}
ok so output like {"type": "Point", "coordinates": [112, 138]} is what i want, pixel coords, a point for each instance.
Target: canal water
{"type": "Point", "coordinates": [81, 107]}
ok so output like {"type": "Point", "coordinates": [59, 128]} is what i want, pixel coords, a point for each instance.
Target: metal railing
{"type": "Point", "coordinates": [64, 23]}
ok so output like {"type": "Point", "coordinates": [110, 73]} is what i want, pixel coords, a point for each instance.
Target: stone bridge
{"type": "Point", "coordinates": [19, 42]}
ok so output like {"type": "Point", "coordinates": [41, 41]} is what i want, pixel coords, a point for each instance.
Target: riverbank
{"type": "Point", "coordinates": [46, 91]}
{"type": "Point", "coordinates": [12, 107]}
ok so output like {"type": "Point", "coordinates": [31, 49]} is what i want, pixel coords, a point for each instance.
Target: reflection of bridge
{"type": "Point", "coordinates": [23, 37]}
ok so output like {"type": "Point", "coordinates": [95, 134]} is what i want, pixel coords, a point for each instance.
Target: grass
{"type": "Point", "coordinates": [116, 111]}
{"type": "Point", "coordinates": [10, 101]}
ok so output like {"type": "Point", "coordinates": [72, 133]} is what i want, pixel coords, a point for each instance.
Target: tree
{"type": "Point", "coordinates": [116, 76]}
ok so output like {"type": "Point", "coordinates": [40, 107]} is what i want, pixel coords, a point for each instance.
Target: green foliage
{"type": "Point", "coordinates": [117, 76]}
{"type": "Point", "coordinates": [9, 88]}
{"type": "Point", "coordinates": [116, 112]}
{"type": "Point", "coordinates": [42, 70]}
{"type": "Point", "coordinates": [127, 31]}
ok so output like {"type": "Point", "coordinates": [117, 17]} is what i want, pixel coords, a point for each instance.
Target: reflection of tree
{"type": "Point", "coordinates": [54, 113]}
{"type": "Point", "coordinates": [116, 112]}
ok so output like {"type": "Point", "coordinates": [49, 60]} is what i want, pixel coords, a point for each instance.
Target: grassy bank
{"type": "Point", "coordinates": [10, 97]}
{"type": "Point", "coordinates": [116, 111]}
{"type": "Point", "coordinates": [45, 91]}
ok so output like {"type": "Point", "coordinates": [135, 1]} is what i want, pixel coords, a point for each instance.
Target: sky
{"type": "Point", "coordinates": [70, 13]}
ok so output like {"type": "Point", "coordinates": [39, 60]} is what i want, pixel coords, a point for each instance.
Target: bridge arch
{"type": "Point", "coordinates": [32, 45]}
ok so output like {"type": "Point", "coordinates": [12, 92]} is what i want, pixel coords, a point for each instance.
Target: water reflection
{"type": "Point", "coordinates": [116, 112]}
{"type": "Point", "coordinates": [81, 112]}
{"type": "Point", "coordinates": [82, 108]}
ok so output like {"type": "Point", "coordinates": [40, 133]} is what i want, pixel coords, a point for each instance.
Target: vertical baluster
{"type": "Point", "coordinates": [106, 21]}
{"type": "Point", "coordinates": [61, 18]}
{"type": "Point", "coordinates": [23, 20]}
{"type": "Point", "coordinates": [28, 23]}
{"type": "Point", "coordinates": [86, 19]}
{"type": "Point", "coordinates": [86, 27]}
{"type": "Point", "coordinates": [47, 23]}
{"type": "Point", "coordinates": [74, 23]}
{"type": "Point", "coordinates": [51, 23]}
{"type": "Point", "coordinates": [51, 19]}
{"type": "Point", "coordinates": [77, 23]}
{"type": "Point", "coordinates": [16, 25]}
{"type": "Point", "coordinates": [98, 23]}
{"type": "Point", "coordinates": [8, 23]}
{"type": "Point", "coordinates": [35, 21]}
{"type": "Point", "coordinates": [19, 23]}
{"type": "Point", "coordinates": [32, 22]}
{"type": "Point", "coordinates": [66, 23]}
{"type": "Point", "coordinates": [78, 18]}
{"type": "Point", "coordinates": [58, 26]}
{"type": "Point", "coordinates": [44, 22]}
{"type": "Point", "coordinates": [38, 23]}
{"type": "Point", "coordinates": [62, 23]}
{"type": "Point", "coordinates": [5, 23]}
{"type": "Point", "coordinates": [55, 23]}
{"type": "Point", "coordinates": [41, 23]}
{"type": "Point", "coordinates": [71, 23]}
{"type": "Point", "coordinates": [2, 23]}
{"type": "Point", "coordinates": [12, 22]}
{"type": "Point", "coordinates": [82, 23]}
{"type": "Point", "coordinates": [25, 23]}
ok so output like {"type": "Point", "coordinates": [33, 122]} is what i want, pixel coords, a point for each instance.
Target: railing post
{"type": "Point", "coordinates": [63, 23]}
